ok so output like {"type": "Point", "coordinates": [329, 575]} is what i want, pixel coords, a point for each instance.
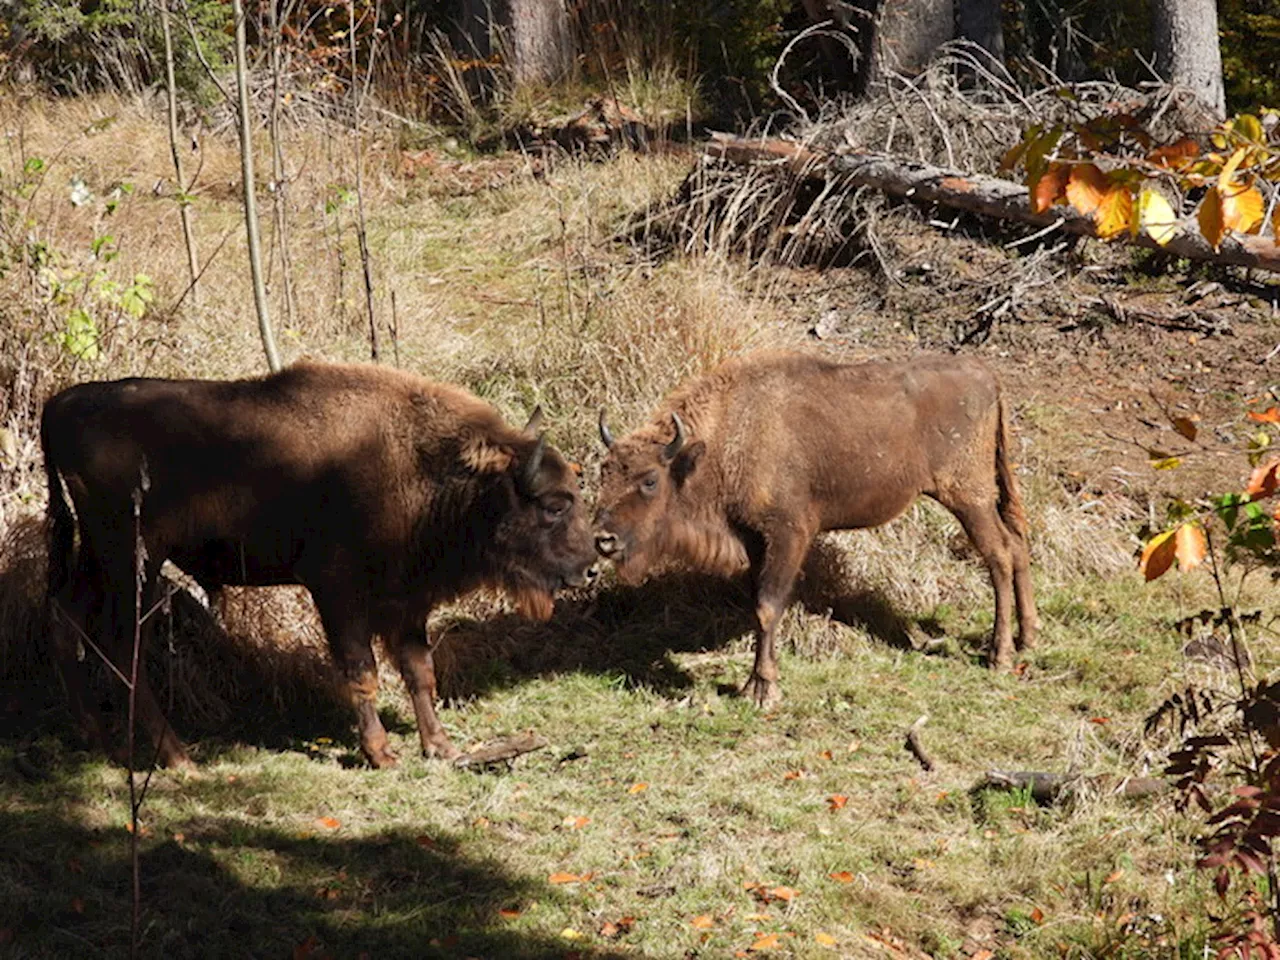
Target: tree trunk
{"type": "Point", "coordinates": [907, 33]}
{"type": "Point", "coordinates": [533, 35]}
{"type": "Point", "coordinates": [1185, 35]}
{"type": "Point", "coordinates": [979, 21]}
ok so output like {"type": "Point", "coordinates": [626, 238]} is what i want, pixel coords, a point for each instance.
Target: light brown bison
{"type": "Point", "coordinates": [743, 467]}
{"type": "Point", "coordinates": [383, 493]}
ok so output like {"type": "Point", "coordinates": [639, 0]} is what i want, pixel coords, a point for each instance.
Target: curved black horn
{"type": "Point", "coordinates": [535, 420]}
{"type": "Point", "coordinates": [529, 474]}
{"type": "Point", "coordinates": [671, 449]}
{"type": "Point", "coordinates": [606, 437]}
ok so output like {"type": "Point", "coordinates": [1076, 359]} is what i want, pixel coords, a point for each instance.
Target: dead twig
{"type": "Point", "coordinates": [914, 745]}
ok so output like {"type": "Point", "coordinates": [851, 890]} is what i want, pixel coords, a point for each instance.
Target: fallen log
{"type": "Point", "coordinates": [974, 193]}
{"type": "Point", "coordinates": [1051, 787]}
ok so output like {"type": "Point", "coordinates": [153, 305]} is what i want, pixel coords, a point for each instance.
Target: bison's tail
{"type": "Point", "coordinates": [1010, 501]}
{"type": "Point", "coordinates": [61, 522]}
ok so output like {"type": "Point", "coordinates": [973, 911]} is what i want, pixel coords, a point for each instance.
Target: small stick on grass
{"type": "Point", "coordinates": [913, 743]}
{"type": "Point", "coordinates": [507, 749]}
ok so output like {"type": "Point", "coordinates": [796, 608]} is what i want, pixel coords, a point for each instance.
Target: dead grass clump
{"type": "Point", "coordinates": [23, 654]}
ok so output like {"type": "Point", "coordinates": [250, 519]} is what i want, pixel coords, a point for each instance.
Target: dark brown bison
{"type": "Point", "coordinates": [743, 467]}
{"type": "Point", "coordinates": [383, 493]}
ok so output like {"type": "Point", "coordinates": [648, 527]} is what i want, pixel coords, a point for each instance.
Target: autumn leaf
{"type": "Point", "coordinates": [1158, 555]}
{"type": "Point", "coordinates": [1050, 188]}
{"type": "Point", "coordinates": [1086, 186]}
{"type": "Point", "coordinates": [1166, 463]}
{"type": "Point", "coordinates": [1100, 721]}
{"type": "Point", "coordinates": [508, 913]}
{"type": "Point", "coordinates": [329, 823]}
{"type": "Point", "coordinates": [792, 775]}
{"type": "Point", "coordinates": [837, 802]}
{"type": "Point", "coordinates": [1114, 875]}
{"type": "Point", "coordinates": [824, 939]}
{"type": "Point", "coordinates": [1242, 208]}
{"type": "Point", "coordinates": [568, 933]}
{"type": "Point", "coordinates": [1264, 481]}
{"type": "Point", "coordinates": [575, 823]}
{"type": "Point", "coordinates": [1228, 172]}
{"type": "Point", "coordinates": [637, 788]}
{"type": "Point", "coordinates": [1115, 212]}
{"type": "Point", "coordinates": [825, 755]}
{"type": "Point", "coordinates": [768, 941]}
{"type": "Point", "coordinates": [841, 876]}
{"type": "Point", "coordinates": [561, 877]}
{"type": "Point", "coordinates": [786, 894]}
{"type": "Point", "coordinates": [1185, 426]}
{"type": "Point", "coordinates": [1270, 415]}
{"type": "Point", "coordinates": [982, 954]}
{"type": "Point", "coordinates": [1191, 546]}
{"type": "Point", "coordinates": [1174, 153]}
{"type": "Point", "coordinates": [703, 921]}
{"type": "Point", "coordinates": [1156, 217]}
{"type": "Point", "coordinates": [1037, 915]}
{"type": "Point", "coordinates": [1210, 218]}
{"type": "Point", "coordinates": [424, 841]}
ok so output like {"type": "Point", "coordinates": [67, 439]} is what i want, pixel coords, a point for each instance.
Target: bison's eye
{"type": "Point", "coordinates": [649, 485]}
{"type": "Point", "coordinates": [553, 510]}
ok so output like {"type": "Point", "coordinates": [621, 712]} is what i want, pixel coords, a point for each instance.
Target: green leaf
{"type": "Point", "coordinates": [81, 336]}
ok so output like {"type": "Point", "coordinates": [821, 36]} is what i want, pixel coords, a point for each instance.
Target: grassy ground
{"type": "Point", "coordinates": [666, 818]}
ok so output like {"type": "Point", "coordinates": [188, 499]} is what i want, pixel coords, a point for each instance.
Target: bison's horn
{"type": "Point", "coordinates": [606, 437]}
{"type": "Point", "coordinates": [535, 421]}
{"type": "Point", "coordinates": [671, 449]}
{"type": "Point", "coordinates": [529, 475]}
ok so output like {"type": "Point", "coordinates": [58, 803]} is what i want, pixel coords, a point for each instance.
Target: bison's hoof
{"type": "Point", "coordinates": [382, 759]}
{"type": "Point", "coordinates": [441, 750]}
{"type": "Point", "coordinates": [763, 693]}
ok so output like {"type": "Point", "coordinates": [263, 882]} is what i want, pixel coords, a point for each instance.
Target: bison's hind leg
{"type": "Point", "coordinates": [350, 645]}
{"type": "Point", "coordinates": [412, 650]}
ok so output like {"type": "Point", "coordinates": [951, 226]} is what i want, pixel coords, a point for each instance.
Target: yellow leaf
{"type": "Point", "coordinates": [568, 933]}
{"type": "Point", "coordinates": [1209, 216]}
{"type": "Point", "coordinates": [1242, 208]}
{"type": "Point", "coordinates": [1086, 187]}
{"type": "Point", "coordinates": [1191, 546]}
{"type": "Point", "coordinates": [1166, 463]}
{"type": "Point", "coordinates": [329, 823]}
{"type": "Point", "coordinates": [825, 939]}
{"type": "Point", "coordinates": [768, 941]}
{"type": "Point", "coordinates": [1229, 168]}
{"type": "Point", "coordinates": [1249, 127]}
{"type": "Point", "coordinates": [637, 788]}
{"type": "Point", "coordinates": [1156, 217]}
{"type": "Point", "coordinates": [1158, 555]}
{"type": "Point", "coordinates": [703, 921]}
{"type": "Point", "coordinates": [1115, 212]}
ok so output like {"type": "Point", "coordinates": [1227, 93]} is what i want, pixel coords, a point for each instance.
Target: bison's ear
{"type": "Point", "coordinates": [535, 421]}
{"type": "Point", "coordinates": [686, 462]}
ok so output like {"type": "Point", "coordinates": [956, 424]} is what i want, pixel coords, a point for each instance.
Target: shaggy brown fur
{"type": "Point", "coordinates": [381, 492]}
{"type": "Point", "coordinates": [743, 467]}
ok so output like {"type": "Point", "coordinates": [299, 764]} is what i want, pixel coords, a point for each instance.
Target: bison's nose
{"type": "Point", "coordinates": [606, 544]}
{"type": "Point", "coordinates": [591, 572]}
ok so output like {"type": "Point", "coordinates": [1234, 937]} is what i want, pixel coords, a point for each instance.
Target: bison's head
{"type": "Point", "coordinates": [640, 515]}
{"type": "Point", "coordinates": [544, 541]}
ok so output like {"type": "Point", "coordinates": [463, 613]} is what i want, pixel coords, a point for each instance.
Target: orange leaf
{"type": "Point", "coordinates": [768, 941]}
{"type": "Point", "coordinates": [508, 913]}
{"type": "Point", "coordinates": [1100, 720]}
{"type": "Point", "coordinates": [1158, 555]}
{"type": "Point", "coordinates": [837, 802]}
{"type": "Point", "coordinates": [564, 878]}
{"type": "Point", "coordinates": [785, 893]}
{"type": "Point", "coordinates": [983, 954]}
{"type": "Point", "coordinates": [1037, 915]}
{"type": "Point", "coordinates": [1174, 153]}
{"type": "Point", "coordinates": [610, 930]}
{"type": "Point", "coordinates": [792, 775]}
{"type": "Point", "coordinates": [575, 823]}
{"type": "Point", "coordinates": [1115, 212]}
{"type": "Point", "coordinates": [425, 842]}
{"type": "Point", "coordinates": [841, 876]}
{"type": "Point", "coordinates": [1050, 188]}
{"type": "Point", "coordinates": [1210, 218]}
{"type": "Point", "coordinates": [1270, 415]}
{"type": "Point", "coordinates": [1086, 186]}
{"type": "Point", "coordinates": [1242, 208]}
{"type": "Point", "coordinates": [637, 788]}
{"type": "Point", "coordinates": [703, 921]}
{"type": "Point", "coordinates": [826, 755]}
{"type": "Point", "coordinates": [825, 939]}
{"type": "Point", "coordinates": [329, 823]}
{"type": "Point", "coordinates": [1264, 481]}
{"type": "Point", "coordinates": [1191, 546]}
{"type": "Point", "coordinates": [1114, 875]}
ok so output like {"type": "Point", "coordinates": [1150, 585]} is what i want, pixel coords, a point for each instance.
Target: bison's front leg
{"type": "Point", "coordinates": [349, 642]}
{"type": "Point", "coordinates": [419, 672]}
{"type": "Point", "coordinates": [784, 554]}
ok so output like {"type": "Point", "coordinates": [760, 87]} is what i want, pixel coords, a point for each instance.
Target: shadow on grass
{"type": "Point", "coordinates": [227, 888]}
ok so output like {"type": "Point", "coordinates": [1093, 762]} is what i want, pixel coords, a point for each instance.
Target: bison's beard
{"type": "Point", "coordinates": [712, 549]}
{"type": "Point", "coordinates": [532, 602]}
